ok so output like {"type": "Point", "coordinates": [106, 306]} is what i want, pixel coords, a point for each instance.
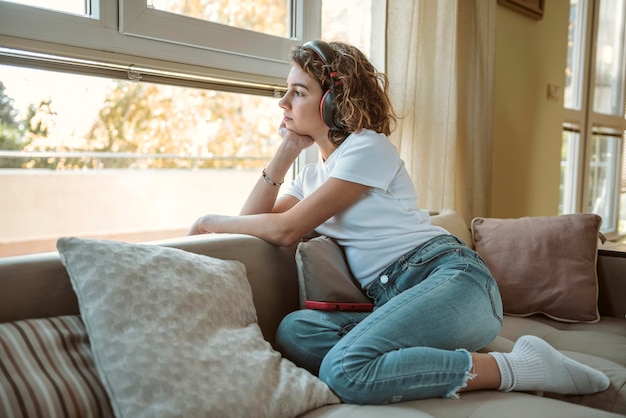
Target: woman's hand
{"type": "Point", "coordinates": [205, 225]}
{"type": "Point", "coordinates": [262, 198]}
{"type": "Point", "coordinates": [292, 138]}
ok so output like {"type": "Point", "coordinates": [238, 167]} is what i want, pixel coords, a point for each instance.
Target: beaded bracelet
{"type": "Point", "coordinates": [270, 181]}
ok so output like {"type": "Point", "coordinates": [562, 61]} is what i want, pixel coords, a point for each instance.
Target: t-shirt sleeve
{"type": "Point", "coordinates": [371, 160]}
{"type": "Point", "coordinates": [295, 188]}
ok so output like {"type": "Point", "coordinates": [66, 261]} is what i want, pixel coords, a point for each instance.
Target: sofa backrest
{"type": "Point", "coordinates": [38, 286]}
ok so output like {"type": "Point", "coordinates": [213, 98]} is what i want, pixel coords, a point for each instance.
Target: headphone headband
{"type": "Point", "coordinates": [328, 109]}
{"type": "Point", "coordinates": [322, 50]}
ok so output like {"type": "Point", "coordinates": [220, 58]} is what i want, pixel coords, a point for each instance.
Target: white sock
{"type": "Point", "coordinates": [534, 365]}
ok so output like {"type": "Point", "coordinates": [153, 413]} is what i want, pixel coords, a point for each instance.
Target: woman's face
{"type": "Point", "coordinates": [301, 105]}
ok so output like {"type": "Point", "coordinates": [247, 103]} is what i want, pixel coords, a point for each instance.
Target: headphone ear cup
{"type": "Point", "coordinates": [328, 111]}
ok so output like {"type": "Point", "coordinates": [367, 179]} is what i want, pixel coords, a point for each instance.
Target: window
{"type": "Point", "coordinates": [125, 135]}
{"type": "Point", "coordinates": [136, 161]}
{"type": "Point", "coordinates": [594, 129]}
{"type": "Point", "coordinates": [66, 121]}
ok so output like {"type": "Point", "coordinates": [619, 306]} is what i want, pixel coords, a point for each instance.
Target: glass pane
{"type": "Point", "coordinates": [348, 21]}
{"type": "Point", "coordinates": [265, 16]}
{"type": "Point", "coordinates": [79, 7]}
{"type": "Point", "coordinates": [575, 55]}
{"type": "Point", "coordinates": [569, 170]}
{"type": "Point", "coordinates": [96, 157]}
{"type": "Point", "coordinates": [609, 82]}
{"type": "Point", "coordinates": [603, 176]}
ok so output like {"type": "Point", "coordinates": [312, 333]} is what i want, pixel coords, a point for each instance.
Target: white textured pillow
{"type": "Point", "coordinates": [176, 334]}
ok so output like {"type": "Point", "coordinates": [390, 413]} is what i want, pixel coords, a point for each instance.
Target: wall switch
{"type": "Point", "coordinates": [554, 92]}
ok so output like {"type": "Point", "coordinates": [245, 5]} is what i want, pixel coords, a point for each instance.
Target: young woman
{"type": "Point", "coordinates": [436, 302]}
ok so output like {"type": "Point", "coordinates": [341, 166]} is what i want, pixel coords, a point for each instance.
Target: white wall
{"type": "Point", "coordinates": [42, 205]}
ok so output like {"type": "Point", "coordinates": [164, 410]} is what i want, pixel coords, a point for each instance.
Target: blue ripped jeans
{"type": "Point", "coordinates": [433, 306]}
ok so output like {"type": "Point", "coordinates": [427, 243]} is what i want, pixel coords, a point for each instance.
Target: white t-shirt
{"type": "Point", "coordinates": [386, 223]}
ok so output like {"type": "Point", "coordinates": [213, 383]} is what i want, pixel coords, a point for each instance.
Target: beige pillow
{"type": "Point", "coordinates": [47, 369]}
{"type": "Point", "coordinates": [543, 265]}
{"type": "Point", "coordinates": [324, 275]}
{"type": "Point", "coordinates": [452, 222]}
{"type": "Point", "coordinates": [176, 334]}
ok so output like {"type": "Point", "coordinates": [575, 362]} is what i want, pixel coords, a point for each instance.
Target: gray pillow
{"type": "Point", "coordinates": [324, 275]}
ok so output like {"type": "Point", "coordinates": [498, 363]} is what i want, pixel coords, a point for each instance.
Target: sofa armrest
{"type": "Point", "coordinates": [612, 283]}
{"type": "Point", "coordinates": [35, 286]}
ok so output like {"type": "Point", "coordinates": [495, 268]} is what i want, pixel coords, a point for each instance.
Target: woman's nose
{"type": "Point", "coordinates": [283, 102]}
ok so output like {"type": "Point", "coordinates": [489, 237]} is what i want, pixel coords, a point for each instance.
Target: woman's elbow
{"type": "Point", "coordinates": [286, 237]}
{"type": "Point", "coordinates": [286, 240]}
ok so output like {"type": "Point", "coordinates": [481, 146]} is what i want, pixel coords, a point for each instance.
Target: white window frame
{"type": "Point", "coordinates": [144, 38]}
{"type": "Point", "coordinates": [589, 122]}
{"type": "Point", "coordinates": [576, 116]}
{"type": "Point", "coordinates": [255, 50]}
{"type": "Point", "coordinates": [137, 19]}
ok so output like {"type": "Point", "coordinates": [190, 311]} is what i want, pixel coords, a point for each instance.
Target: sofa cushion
{"type": "Point", "coordinates": [601, 345]}
{"type": "Point", "coordinates": [477, 404]}
{"type": "Point", "coordinates": [492, 403]}
{"type": "Point", "coordinates": [47, 369]}
{"type": "Point", "coordinates": [176, 334]}
{"type": "Point", "coordinates": [543, 264]}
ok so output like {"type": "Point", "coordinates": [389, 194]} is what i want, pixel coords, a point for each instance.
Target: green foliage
{"type": "Point", "coordinates": [8, 114]}
{"type": "Point", "coordinates": [158, 119]}
{"type": "Point", "coordinates": [36, 121]}
{"type": "Point", "coordinates": [11, 136]}
{"type": "Point", "coordinates": [10, 139]}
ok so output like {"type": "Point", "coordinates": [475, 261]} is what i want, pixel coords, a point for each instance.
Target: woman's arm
{"type": "Point", "coordinates": [262, 198]}
{"type": "Point", "coordinates": [287, 227]}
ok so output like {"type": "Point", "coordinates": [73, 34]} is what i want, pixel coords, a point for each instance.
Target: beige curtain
{"type": "Point", "coordinates": [440, 62]}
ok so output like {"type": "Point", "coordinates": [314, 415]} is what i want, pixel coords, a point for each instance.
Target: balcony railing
{"type": "Point", "coordinates": [102, 160]}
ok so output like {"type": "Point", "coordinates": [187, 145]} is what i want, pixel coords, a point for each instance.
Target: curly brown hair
{"type": "Point", "coordinates": [362, 97]}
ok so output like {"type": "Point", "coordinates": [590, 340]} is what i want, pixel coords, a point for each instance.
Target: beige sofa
{"type": "Point", "coordinates": [37, 286]}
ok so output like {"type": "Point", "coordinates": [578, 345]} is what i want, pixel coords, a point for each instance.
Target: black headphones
{"type": "Point", "coordinates": [328, 110]}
